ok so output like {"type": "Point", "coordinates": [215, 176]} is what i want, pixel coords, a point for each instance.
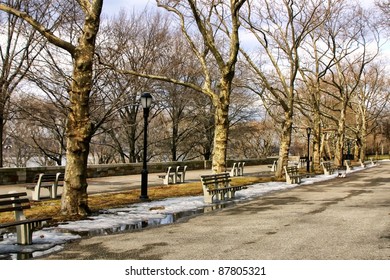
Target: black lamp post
{"type": "Point", "coordinates": [308, 131]}
{"type": "Point", "coordinates": [146, 102]}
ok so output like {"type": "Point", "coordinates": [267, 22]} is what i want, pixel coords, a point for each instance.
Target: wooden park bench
{"type": "Point", "coordinates": [217, 187]}
{"type": "Point", "coordinates": [237, 169]}
{"type": "Point", "coordinates": [292, 174]}
{"type": "Point", "coordinates": [362, 164]}
{"type": "Point", "coordinates": [328, 167]}
{"type": "Point", "coordinates": [369, 162]}
{"type": "Point", "coordinates": [51, 182]}
{"type": "Point", "coordinates": [302, 163]}
{"type": "Point", "coordinates": [348, 165]}
{"type": "Point", "coordinates": [234, 170]}
{"type": "Point", "coordinates": [174, 174]}
{"type": "Point", "coordinates": [240, 168]}
{"type": "Point", "coordinates": [181, 173]}
{"type": "Point", "coordinates": [273, 166]}
{"type": "Point", "coordinates": [17, 202]}
{"type": "Point", "coordinates": [170, 176]}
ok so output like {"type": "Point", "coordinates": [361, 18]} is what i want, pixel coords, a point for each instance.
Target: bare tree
{"type": "Point", "coordinates": [79, 126]}
{"type": "Point", "coordinates": [384, 7]}
{"type": "Point", "coordinates": [18, 50]}
{"type": "Point", "coordinates": [369, 104]}
{"type": "Point", "coordinates": [280, 29]}
{"type": "Point", "coordinates": [136, 41]}
{"type": "Point", "coordinates": [353, 45]}
{"type": "Point", "coordinates": [47, 121]}
{"type": "Point", "coordinates": [215, 45]}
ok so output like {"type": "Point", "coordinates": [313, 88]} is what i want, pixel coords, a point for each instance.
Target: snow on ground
{"type": "Point", "coordinates": [135, 216]}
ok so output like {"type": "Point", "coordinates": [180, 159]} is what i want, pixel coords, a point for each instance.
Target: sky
{"type": "Point", "coordinates": [112, 6]}
{"type": "Point", "coordinates": [134, 216]}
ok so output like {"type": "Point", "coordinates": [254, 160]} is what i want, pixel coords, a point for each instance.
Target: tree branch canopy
{"type": "Point", "coordinates": [40, 28]}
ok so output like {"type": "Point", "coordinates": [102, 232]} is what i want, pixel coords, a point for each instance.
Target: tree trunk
{"type": "Point", "coordinates": [79, 131]}
{"type": "Point", "coordinates": [221, 117]}
{"type": "Point", "coordinates": [338, 157]}
{"type": "Point", "coordinates": [79, 126]}
{"type": "Point", "coordinates": [285, 142]}
{"type": "Point", "coordinates": [1, 138]}
{"type": "Point", "coordinates": [363, 137]}
{"type": "Point", "coordinates": [317, 140]}
{"type": "Point", "coordinates": [175, 133]}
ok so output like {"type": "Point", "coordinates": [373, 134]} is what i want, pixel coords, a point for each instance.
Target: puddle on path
{"type": "Point", "coordinates": [164, 219]}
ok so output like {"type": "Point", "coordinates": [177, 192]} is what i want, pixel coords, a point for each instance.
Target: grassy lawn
{"type": "Point", "coordinates": [51, 208]}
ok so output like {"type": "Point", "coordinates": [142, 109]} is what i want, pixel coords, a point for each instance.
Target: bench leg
{"type": "Point", "coordinates": [208, 198]}
{"type": "Point", "coordinates": [24, 234]}
{"type": "Point", "coordinates": [36, 194]}
{"type": "Point", "coordinates": [231, 194]}
{"type": "Point", "coordinates": [53, 191]}
{"type": "Point", "coordinates": [174, 178]}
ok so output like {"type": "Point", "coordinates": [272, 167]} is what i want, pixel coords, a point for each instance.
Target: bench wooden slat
{"type": "Point", "coordinates": [15, 208]}
{"type": "Point", "coordinates": [22, 222]}
{"type": "Point", "coordinates": [9, 195]}
{"type": "Point", "coordinates": [211, 180]}
{"type": "Point", "coordinates": [14, 201]}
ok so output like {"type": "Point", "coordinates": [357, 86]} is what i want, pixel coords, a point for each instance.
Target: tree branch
{"type": "Point", "coordinates": [40, 28]}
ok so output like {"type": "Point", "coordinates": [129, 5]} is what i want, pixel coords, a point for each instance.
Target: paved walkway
{"type": "Point", "coordinates": [344, 218]}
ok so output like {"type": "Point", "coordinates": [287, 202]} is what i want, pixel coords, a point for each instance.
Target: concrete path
{"type": "Point", "coordinates": [344, 218]}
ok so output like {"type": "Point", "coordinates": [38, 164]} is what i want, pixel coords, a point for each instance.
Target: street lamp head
{"type": "Point", "coordinates": [146, 100]}
{"type": "Point", "coordinates": [308, 130]}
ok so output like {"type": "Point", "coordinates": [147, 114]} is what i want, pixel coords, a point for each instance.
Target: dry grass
{"type": "Point", "coordinates": [96, 202]}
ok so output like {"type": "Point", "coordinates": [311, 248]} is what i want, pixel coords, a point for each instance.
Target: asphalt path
{"type": "Point", "coordinates": [343, 218]}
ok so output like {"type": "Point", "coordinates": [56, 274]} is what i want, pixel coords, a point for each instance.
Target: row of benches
{"type": "Point", "coordinates": [173, 175]}
{"type": "Point", "coordinates": [292, 161]}
{"type": "Point", "coordinates": [293, 176]}
{"type": "Point", "coordinates": [177, 175]}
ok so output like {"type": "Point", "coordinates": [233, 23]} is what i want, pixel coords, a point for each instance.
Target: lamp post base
{"type": "Point", "coordinates": [145, 198]}
{"type": "Point", "coordinates": [144, 185]}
